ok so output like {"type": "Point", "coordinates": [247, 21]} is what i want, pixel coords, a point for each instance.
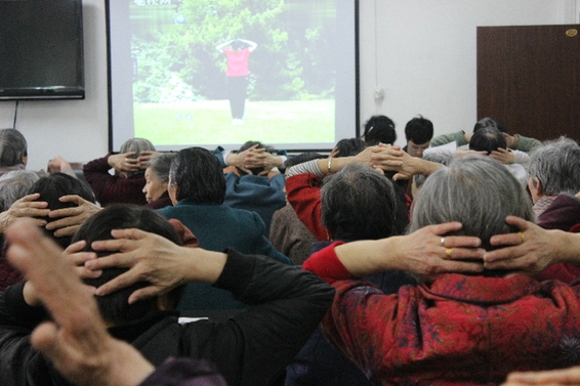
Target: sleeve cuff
{"type": "Point", "coordinates": [326, 264]}
{"type": "Point", "coordinates": [237, 272]}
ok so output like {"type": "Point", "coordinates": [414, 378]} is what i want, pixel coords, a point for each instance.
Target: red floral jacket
{"type": "Point", "coordinates": [467, 330]}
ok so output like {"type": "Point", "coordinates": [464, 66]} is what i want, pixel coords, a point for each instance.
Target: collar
{"type": "Point", "coordinates": [543, 204]}
{"type": "Point", "coordinates": [479, 289]}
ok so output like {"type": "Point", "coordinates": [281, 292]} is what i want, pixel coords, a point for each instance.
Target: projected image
{"type": "Point", "coordinates": [205, 71]}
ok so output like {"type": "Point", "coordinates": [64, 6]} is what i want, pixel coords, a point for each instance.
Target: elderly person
{"type": "Point", "coordinates": [156, 181]}
{"type": "Point", "coordinates": [197, 190]}
{"type": "Point", "coordinates": [126, 184]}
{"type": "Point", "coordinates": [13, 150]}
{"type": "Point", "coordinates": [554, 170]}
{"type": "Point", "coordinates": [304, 181]}
{"type": "Point", "coordinates": [452, 328]}
{"type": "Point", "coordinates": [251, 348]}
{"type": "Point", "coordinates": [357, 203]}
{"type": "Point", "coordinates": [44, 196]}
{"type": "Point", "coordinates": [253, 180]}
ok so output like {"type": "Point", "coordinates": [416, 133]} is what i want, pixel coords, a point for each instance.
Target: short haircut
{"type": "Point", "coordinates": [360, 203]}
{"type": "Point", "coordinates": [160, 165]}
{"type": "Point", "coordinates": [52, 188]}
{"type": "Point", "coordinates": [489, 122]}
{"type": "Point", "coordinates": [556, 164]}
{"type": "Point", "coordinates": [419, 130]}
{"type": "Point", "coordinates": [115, 307]}
{"type": "Point", "coordinates": [379, 129]}
{"type": "Point", "coordinates": [478, 192]}
{"type": "Point", "coordinates": [14, 185]}
{"type": "Point", "coordinates": [249, 144]}
{"type": "Point", "coordinates": [136, 145]}
{"type": "Point", "coordinates": [350, 146]}
{"type": "Point", "coordinates": [301, 158]}
{"type": "Point", "coordinates": [13, 147]}
{"type": "Point", "coordinates": [487, 139]}
{"type": "Point", "coordinates": [198, 175]}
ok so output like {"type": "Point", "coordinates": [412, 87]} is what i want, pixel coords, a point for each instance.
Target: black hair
{"type": "Point", "coordinates": [115, 307]}
{"type": "Point", "coordinates": [249, 144]}
{"type": "Point", "coordinates": [350, 146]}
{"type": "Point", "coordinates": [379, 128]}
{"type": "Point", "coordinates": [301, 158]}
{"type": "Point", "coordinates": [13, 147]}
{"type": "Point", "coordinates": [360, 203]}
{"type": "Point", "coordinates": [419, 130]}
{"type": "Point", "coordinates": [198, 175]}
{"type": "Point", "coordinates": [52, 188]}
{"type": "Point", "coordinates": [487, 139]}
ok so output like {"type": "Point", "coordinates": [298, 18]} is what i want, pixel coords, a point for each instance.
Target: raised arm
{"type": "Point", "coordinates": [221, 46]}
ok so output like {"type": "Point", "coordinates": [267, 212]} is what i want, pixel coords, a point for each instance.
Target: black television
{"type": "Point", "coordinates": [41, 49]}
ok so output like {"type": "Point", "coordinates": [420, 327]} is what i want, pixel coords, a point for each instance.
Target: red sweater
{"type": "Point", "coordinates": [458, 330]}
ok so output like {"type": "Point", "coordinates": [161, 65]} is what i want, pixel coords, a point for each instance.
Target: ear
{"type": "Point", "coordinates": [536, 188]}
{"type": "Point", "coordinates": [172, 190]}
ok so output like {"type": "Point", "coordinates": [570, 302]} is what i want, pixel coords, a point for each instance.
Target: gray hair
{"type": "Point", "coordinates": [136, 145]}
{"type": "Point", "coordinates": [556, 164]}
{"type": "Point", "coordinates": [360, 203]}
{"type": "Point", "coordinates": [160, 166]}
{"type": "Point", "coordinates": [13, 147]}
{"type": "Point", "coordinates": [443, 158]}
{"type": "Point", "coordinates": [478, 192]}
{"type": "Point", "coordinates": [14, 185]}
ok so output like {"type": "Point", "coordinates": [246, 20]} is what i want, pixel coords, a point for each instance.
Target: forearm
{"type": "Point", "coordinates": [202, 266]}
{"type": "Point", "coordinates": [367, 257]}
{"type": "Point", "coordinates": [566, 246]}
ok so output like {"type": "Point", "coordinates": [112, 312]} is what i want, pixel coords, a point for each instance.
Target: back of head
{"type": "Point", "coordinates": [379, 129]}
{"type": "Point", "coordinates": [136, 145]}
{"type": "Point", "coordinates": [489, 122]}
{"type": "Point", "coordinates": [14, 185]}
{"type": "Point", "coordinates": [301, 158]}
{"type": "Point", "coordinates": [419, 130]}
{"type": "Point", "coordinates": [13, 147]}
{"type": "Point", "coordinates": [115, 307]}
{"type": "Point", "coordinates": [349, 147]}
{"type": "Point", "coordinates": [556, 164]}
{"type": "Point", "coordinates": [360, 203]}
{"type": "Point", "coordinates": [477, 191]}
{"type": "Point", "coordinates": [198, 175]}
{"type": "Point", "coordinates": [160, 166]}
{"type": "Point", "coordinates": [52, 187]}
{"type": "Point", "coordinates": [249, 144]}
{"type": "Point", "coordinates": [487, 139]}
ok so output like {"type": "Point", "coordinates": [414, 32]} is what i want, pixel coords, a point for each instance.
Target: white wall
{"type": "Point", "coordinates": [78, 129]}
{"type": "Point", "coordinates": [421, 52]}
{"type": "Point", "coordinates": [424, 54]}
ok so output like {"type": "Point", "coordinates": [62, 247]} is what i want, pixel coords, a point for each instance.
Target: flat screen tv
{"type": "Point", "coordinates": [41, 49]}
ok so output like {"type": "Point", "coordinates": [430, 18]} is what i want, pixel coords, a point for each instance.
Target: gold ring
{"type": "Point", "coordinates": [448, 251]}
{"type": "Point", "coordinates": [522, 236]}
{"type": "Point", "coordinates": [442, 241]}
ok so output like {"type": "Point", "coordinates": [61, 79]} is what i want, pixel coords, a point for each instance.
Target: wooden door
{"type": "Point", "coordinates": [529, 78]}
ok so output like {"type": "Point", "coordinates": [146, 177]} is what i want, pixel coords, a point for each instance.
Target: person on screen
{"type": "Point", "coordinates": [237, 73]}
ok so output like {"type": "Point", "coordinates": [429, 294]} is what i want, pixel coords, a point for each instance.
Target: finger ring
{"type": "Point", "coordinates": [442, 241]}
{"type": "Point", "coordinates": [448, 252]}
{"type": "Point", "coordinates": [522, 236]}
